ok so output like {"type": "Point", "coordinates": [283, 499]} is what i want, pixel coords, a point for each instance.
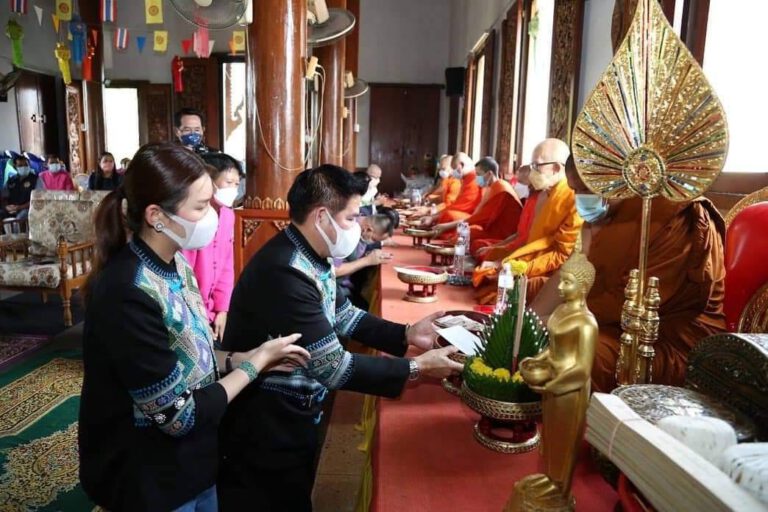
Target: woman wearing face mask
{"type": "Point", "coordinates": [106, 176]}
{"type": "Point", "coordinates": [152, 398]}
{"type": "Point", "coordinates": [214, 264]}
{"type": "Point", "coordinates": [55, 177]}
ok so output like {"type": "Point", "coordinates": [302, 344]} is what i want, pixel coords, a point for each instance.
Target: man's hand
{"type": "Point", "coordinates": [219, 324]}
{"type": "Point", "coordinates": [427, 221]}
{"type": "Point", "coordinates": [377, 257]}
{"type": "Point", "coordinates": [440, 228]}
{"type": "Point", "coordinates": [437, 364]}
{"type": "Point", "coordinates": [422, 334]}
{"type": "Point", "coordinates": [11, 208]}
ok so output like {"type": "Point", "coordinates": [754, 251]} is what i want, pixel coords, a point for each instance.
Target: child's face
{"type": "Point", "coordinates": [228, 179]}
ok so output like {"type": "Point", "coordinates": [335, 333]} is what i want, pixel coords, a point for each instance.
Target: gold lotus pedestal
{"type": "Point", "coordinates": [517, 422]}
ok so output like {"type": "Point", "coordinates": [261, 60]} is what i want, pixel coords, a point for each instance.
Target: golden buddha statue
{"type": "Point", "coordinates": [561, 373]}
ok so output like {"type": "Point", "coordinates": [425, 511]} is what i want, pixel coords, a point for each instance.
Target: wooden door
{"type": "Point", "coordinates": [202, 91]}
{"type": "Point", "coordinates": [155, 116]}
{"type": "Point", "coordinates": [404, 126]}
{"type": "Point", "coordinates": [49, 118]}
{"type": "Point", "coordinates": [29, 113]}
{"type": "Point", "coordinates": [76, 143]}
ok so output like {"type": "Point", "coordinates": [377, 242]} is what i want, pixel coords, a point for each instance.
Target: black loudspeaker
{"type": "Point", "coordinates": [454, 81]}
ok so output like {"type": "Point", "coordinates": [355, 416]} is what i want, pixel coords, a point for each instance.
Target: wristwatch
{"type": "Point", "coordinates": [413, 370]}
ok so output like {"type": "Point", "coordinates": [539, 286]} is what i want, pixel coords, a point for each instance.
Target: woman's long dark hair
{"type": "Point", "coordinates": [158, 174]}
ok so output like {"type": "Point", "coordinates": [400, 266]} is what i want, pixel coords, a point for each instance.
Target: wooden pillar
{"type": "Point", "coordinates": [93, 103]}
{"type": "Point", "coordinates": [275, 66]}
{"type": "Point", "coordinates": [332, 58]}
{"type": "Point", "coordinates": [349, 161]}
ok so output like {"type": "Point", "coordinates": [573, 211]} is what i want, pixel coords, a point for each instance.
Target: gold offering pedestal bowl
{"type": "Point", "coordinates": [442, 253]}
{"type": "Point", "coordinates": [419, 235]}
{"type": "Point", "coordinates": [453, 383]}
{"type": "Point", "coordinates": [505, 427]}
{"type": "Point", "coordinates": [428, 284]}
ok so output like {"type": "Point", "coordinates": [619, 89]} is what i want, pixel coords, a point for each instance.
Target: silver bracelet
{"type": "Point", "coordinates": [249, 370]}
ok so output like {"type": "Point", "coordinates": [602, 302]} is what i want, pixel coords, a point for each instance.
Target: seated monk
{"type": "Point", "coordinates": [447, 190]}
{"type": "Point", "coordinates": [469, 196]}
{"type": "Point", "coordinates": [547, 232]}
{"type": "Point", "coordinates": [498, 213]}
{"type": "Point", "coordinates": [685, 253]}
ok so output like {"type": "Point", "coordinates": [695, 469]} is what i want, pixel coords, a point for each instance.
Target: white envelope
{"type": "Point", "coordinates": [459, 337]}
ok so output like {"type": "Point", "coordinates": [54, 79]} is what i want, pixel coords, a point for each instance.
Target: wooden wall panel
{"type": "Point", "coordinates": [510, 39]}
{"type": "Point", "coordinates": [155, 116]}
{"type": "Point", "coordinates": [202, 91]}
{"type": "Point", "coordinates": [565, 66]}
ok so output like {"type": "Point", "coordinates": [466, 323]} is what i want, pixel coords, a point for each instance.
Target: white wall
{"type": "Point", "coordinates": [402, 41]}
{"type": "Point", "coordinates": [596, 52]}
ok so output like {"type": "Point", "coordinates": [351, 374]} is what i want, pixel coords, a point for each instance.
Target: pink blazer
{"type": "Point", "coordinates": [214, 265]}
{"type": "Point", "coordinates": [56, 180]}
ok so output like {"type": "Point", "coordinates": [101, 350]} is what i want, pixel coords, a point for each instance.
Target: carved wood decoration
{"type": "Point", "coordinates": [253, 228]}
{"type": "Point", "coordinates": [202, 91]}
{"type": "Point", "coordinates": [155, 116]}
{"type": "Point", "coordinates": [75, 147]}
{"type": "Point", "coordinates": [566, 62]}
{"type": "Point", "coordinates": [508, 81]}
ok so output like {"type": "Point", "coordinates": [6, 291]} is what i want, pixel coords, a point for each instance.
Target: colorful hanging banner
{"type": "Point", "coordinates": [186, 45]}
{"type": "Point", "coordinates": [140, 42]}
{"type": "Point", "coordinates": [160, 41]}
{"type": "Point", "coordinates": [108, 11]}
{"type": "Point", "coordinates": [77, 31]}
{"type": "Point", "coordinates": [90, 53]}
{"type": "Point", "coordinates": [19, 6]}
{"type": "Point", "coordinates": [64, 10]}
{"type": "Point", "coordinates": [56, 22]}
{"type": "Point", "coordinates": [121, 38]}
{"type": "Point", "coordinates": [154, 11]}
{"type": "Point", "coordinates": [15, 33]}
{"type": "Point", "coordinates": [238, 40]}
{"type": "Point", "coordinates": [62, 55]}
{"type": "Point", "coordinates": [200, 46]}
{"type": "Point", "coordinates": [177, 67]}
{"type": "Point", "coordinates": [210, 48]}
{"type": "Point", "coordinates": [39, 12]}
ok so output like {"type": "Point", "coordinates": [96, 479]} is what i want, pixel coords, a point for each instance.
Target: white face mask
{"type": "Point", "coordinates": [457, 173]}
{"type": "Point", "coordinates": [346, 239]}
{"type": "Point", "coordinates": [55, 167]}
{"type": "Point", "coordinates": [443, 173]}
{"type": "Point", "coordinates": [226, 196]}
{"type": "Point", "coordinates": [198, 234]}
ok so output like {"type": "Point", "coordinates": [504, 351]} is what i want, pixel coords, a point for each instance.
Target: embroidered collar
{"type": "Point", "coordinates": [295, 236]}
{"type": "Point", "coordinates": [152, 260]}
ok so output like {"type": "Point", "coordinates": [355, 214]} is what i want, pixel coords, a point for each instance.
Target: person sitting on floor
{"type": "Point", "coordinates": [105, 177]}
{"type": "Point", "coordinates": [445, 192]}
{"type": "Point", "coordinates": [547, 232]}
{"type": "Point", "coordinates": [368, 202]}
{"type": "Point", "coordinates": [497, 215]}
{"type": "Point", "coordinates": [685, 253]}
{"type": "Point", "coordinates": [470, 194]}
{"type": "Point", "coordinates": [18, 190]}
{"type": "Point", "coordinates": [55, 177]}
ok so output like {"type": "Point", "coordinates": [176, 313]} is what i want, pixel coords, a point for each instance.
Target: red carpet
{"type": "Point", "coordinates": [425, 458]}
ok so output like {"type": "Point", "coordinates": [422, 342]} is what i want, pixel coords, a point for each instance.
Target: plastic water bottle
{"type": "Point", "coordinates": [433, 209]}
{"type": "Point", "coordinates": [506, 283]}
{"type": "Point", "coordinates": [459, 252]}
{"type": "Point", "coordinates": [416, 197]}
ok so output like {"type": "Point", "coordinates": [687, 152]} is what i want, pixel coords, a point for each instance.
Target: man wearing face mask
{"type": "Point", "coordinates": [470, 194]}
{"type": "Point", "coordinates": [190, 130]}
{"type": "Point", "coordinates": [498, 213]}
{"type": "Point", "coordinates": [547, 231]}
{"type": "Point", "coordinates": [685, 253]}
{"type": "Point", "coordinates": [446, 190]}
{"type": "Point", "coordinates": [18, 190]}
{"type": "Point", "coordinates": [269, 435]}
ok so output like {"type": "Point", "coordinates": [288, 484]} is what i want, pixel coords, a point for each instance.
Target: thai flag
{"type": "Point", "coordinates": [108, 11]}
{"type": "Point", "coordinates": [19, 6]}
{"type": "Point", "coordinates": [121, 38]}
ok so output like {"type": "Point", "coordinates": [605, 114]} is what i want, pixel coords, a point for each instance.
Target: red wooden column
{"type": "Point", "coordinates": [275, 64]}
{"type": "Point", "coordinates": [93, 101]}
{"type": "Point", "coordinates": [332, 58]}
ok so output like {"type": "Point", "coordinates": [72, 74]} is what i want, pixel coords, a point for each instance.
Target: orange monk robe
{"type": "Point", "coordinates": [521, 235]}
{"type": "Point", "coordinates": [549, 243]}
{"type": "Point", "coordinates": [496, 218]}
{"type": "Point", "coordinates": [469, 197]}
{"type": "Point", "coordinates": [686, 254]}
{"type": "Point", "coordinates": [451, 188]}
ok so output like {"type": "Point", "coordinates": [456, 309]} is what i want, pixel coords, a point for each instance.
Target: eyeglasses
{"type": "Point", "coordinates": [535, 166]}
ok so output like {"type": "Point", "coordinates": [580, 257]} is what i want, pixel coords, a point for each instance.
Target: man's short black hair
{"type": "Point", "coordinates": [488, 164]}
{"type": "Point", "coordinates": [20, 158]}
{"type": "Point", "coordinates": [328, 185]}
{"type": "Point", "coordinates": [394, 217]}
{"type": "Point", "coordinates": [222, 162]}
{"type": "Point", "coordinates": [187, 112]}
{"type": "Point", "coordinates": [363, 176]}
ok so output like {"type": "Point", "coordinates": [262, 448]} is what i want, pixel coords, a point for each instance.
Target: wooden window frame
{"type": "Point", "coordinates": [487, 50]}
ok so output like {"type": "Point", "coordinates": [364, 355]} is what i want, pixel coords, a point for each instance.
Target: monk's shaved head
{"type": "Point", "coordinates": [551, 150]}
{"type": "Point", "coordinates": [461, 160]}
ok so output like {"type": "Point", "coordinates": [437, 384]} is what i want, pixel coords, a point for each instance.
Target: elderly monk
{"type": "Point", "coordinates": [447, 189]}
{"type": "Point", "coordinates": [469, 196]}
{"type": "Point", "coordinates": [547, 232]}
{"type": "Point", "coordinates": [685, 253]}
{"type": "Point", "coordinates": [498, 213]}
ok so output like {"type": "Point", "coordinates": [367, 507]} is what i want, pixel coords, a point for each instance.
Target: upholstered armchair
{"type": "Point", "coordinates": [57, 255]}
{"type": "Point", "coordinates": [746, 271]}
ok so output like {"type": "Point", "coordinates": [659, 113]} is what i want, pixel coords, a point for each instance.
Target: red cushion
{"type": "Point", "coordinates": [746, 260]}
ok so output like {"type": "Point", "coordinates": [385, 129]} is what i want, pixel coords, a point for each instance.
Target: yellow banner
{"type": "Point", "coordinates": [238, 40]}
{"type": "Point", "coordinates": [154, 11]}
{"type": "Point", "coordinates": [161, 40]}
{"type": "Point", "coordinates": [64, 10]}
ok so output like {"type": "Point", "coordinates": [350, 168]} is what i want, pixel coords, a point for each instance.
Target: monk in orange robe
{"type": "Point", "coordinates": [447, 191]}
{"type": "Point", "coordinates": [498, 213]}
{"type": "Point", "coordinates": [469, 197]}
{"type": "Point", "coordinates": [685, 253]}
{"type": "Point", "coordinates": [554, 227]}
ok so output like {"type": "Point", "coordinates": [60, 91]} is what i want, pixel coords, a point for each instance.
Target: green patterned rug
{"type": "Point", "coordinates": [39, 402]}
